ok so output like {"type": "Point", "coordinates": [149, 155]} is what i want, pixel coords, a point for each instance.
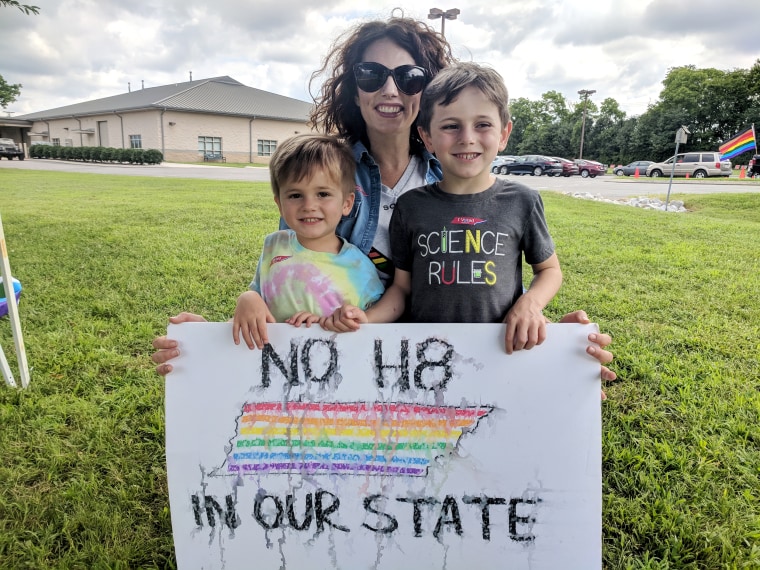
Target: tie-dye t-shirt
{"type": "Point", "coordinates": [291, 278]}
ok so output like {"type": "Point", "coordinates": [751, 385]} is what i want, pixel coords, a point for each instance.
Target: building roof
{"type": "Point", "coordinates": [218, 95]}
{"type": "Point", "coordinates": [13, 122]}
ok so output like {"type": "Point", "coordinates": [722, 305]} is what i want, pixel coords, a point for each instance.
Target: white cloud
{"type": "Point", "coordinates": [76, 50]}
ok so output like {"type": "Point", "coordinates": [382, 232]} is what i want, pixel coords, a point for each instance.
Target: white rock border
{"type": "Point", "coordinates": [640, 202]}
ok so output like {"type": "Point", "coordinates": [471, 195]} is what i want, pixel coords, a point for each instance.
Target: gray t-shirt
{"type": "Point", "coordinates": [465, 251]}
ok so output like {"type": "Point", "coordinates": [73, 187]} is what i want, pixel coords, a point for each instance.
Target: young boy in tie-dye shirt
{"type": "Point", "coordinates": [306, 272]}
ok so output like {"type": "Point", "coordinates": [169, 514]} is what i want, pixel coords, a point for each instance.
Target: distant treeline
{"type": "Point", "coordinates": [714, 105]}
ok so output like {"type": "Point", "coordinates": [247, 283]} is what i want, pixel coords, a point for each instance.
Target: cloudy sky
{"type": "Point", "coordinates": [76, 50]}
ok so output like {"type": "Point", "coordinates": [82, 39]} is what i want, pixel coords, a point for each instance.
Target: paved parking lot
{"type": "Point", "coordinates": [166, 170]}
{"type": "Point", "coordinates": [608, 186]}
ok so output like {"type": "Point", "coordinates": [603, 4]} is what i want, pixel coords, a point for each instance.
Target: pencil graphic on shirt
{"type": "Point", "coordinates": [444, 233]}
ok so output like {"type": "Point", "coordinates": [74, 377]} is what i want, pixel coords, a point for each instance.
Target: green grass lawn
{"type": "Point", "coordinates": [104, 260]}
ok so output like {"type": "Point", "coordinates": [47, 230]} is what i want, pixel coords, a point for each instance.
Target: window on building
{"type": "Point", "coordinates": [266, 147]}
{"type": "Point", "coordinates": [210, 145]}
{"type": "Point", "coordinates": [135, 141]}
{"type": "Point", "coordinates": [56, 142]}
{"type": "Point", "coordinates": [68, 142]}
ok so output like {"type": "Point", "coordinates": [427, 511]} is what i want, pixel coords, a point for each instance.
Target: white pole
{"type": "Point", "coordinates": [7, 374]}
{"type": "Point", "coordinates": [672, 171]}
{"type": "Point", "coordinates": [10, 297]}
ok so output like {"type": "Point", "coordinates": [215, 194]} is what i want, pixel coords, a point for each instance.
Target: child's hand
{"type": "Point", "coordinates": [526, 325]}
{"type": "Point", "coordinates": [303, 318]}
{"type": "Point", "coordinates": [250, 320]}
{"type": "Point", "coordinates": [344, 319]}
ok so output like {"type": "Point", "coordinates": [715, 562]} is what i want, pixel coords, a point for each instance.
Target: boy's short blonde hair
{"type": "Point", "coordinates": [298, 157]}
{"type": "Point", "coordinates": [449, 83]}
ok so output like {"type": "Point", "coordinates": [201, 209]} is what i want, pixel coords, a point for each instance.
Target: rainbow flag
{"type": "Point", "coordinates": [348, 438]}
{"type": "Point", "coordinates": [740, 143]}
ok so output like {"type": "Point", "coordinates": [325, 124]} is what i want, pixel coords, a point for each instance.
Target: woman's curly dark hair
{"type": "Point", "coordinates": [335, 109]}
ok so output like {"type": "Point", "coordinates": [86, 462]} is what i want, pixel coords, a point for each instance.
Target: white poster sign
{"type": "Point", "coordinates": [396, 447]}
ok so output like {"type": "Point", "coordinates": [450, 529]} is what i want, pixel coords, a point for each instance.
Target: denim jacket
{"type": "Point", "coordinates": [360, 225]}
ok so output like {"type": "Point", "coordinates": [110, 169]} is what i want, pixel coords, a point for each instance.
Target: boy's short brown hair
{"type": "Point", "coordinates": [298, 157]}
{"type": "Point", "coordinates": [449, 83]}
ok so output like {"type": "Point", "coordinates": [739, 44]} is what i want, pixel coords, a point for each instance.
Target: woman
{"type": "Point", "coordinates": [371, 98]}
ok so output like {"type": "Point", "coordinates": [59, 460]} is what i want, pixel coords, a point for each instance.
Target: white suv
{"type": "Point", "coordinates": [693, 164]}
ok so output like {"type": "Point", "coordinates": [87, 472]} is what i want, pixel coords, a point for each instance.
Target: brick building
{"type": "Point", "coordinates": [185, 121]}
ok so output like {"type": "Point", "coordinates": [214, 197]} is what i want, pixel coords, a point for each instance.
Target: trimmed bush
{"type": "Point", "coordinates": [153, 156]}
{"type": "Point", "coordinates": [98, 153]}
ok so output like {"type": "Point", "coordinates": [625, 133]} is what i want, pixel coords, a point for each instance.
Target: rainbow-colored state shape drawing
{"type": "Point", "coordinates": [347, 438]}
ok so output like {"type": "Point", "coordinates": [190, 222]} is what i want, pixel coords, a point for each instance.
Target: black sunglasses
{"type": "Point", "coordinates": [371, 76]}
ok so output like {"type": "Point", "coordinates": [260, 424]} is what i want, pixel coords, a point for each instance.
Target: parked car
{"type": "Point", "coordinates": [535, 165]}
{"type": "Point", "coordinates": [498, 164]}
{"type": "Point", "coordinates": [589, 168]}
{"type": "Point", "coordinates": [695, 164]}
{"type": "Point", "coordinates": [10, 150]}
{"type": "Point", "coordinates": [753, 168]}
{"type": "Point", "coordinates": [630, 169]}
{"type": "Point", "coordinates": [568, 166]}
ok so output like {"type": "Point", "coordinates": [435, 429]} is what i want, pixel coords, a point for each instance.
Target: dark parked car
{"type": "Point", "coordinates": [568, 166]}
{"type": "Point", "coordinates": [498, 164]}
{"type": "Point", "coordinates": [630, 169]}
{"type": "Point", "coordinates": [535, 165]}
{"type": "Point", "coordinates": [753, 168]}
{"type": "Point", "coordinates": [10, 150]}
{"type": "Point", "coordinates": [590, 168]}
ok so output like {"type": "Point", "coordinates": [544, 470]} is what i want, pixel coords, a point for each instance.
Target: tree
{"type": "Point", "coordinates": [714, 104]}
{"type": "Point", "coordinates": [522, 119]}
{"type": "Point", "coordinates": [9, 92]}
{"type": "Point", "coordinates": [603, 136]}
{"type": "Point", "coordinates": [540, 126]}
{"type": "Point", "coordinates": [25, 8]}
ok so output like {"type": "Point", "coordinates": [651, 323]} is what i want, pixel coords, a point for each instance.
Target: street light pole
{"type": "Point", "coordinates": [450, 14]}
{"type": "Point", "coordinates": [585, 94]}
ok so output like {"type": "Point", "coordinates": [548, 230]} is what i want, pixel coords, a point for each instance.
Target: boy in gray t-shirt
{"type": "Point", "coordinates": [458, 245]}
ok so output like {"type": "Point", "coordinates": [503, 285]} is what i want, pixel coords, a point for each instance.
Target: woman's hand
{"type": "Point", "coordinates": [166, 348]}
{"type": "Point", "coordinates": [599, 340]}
